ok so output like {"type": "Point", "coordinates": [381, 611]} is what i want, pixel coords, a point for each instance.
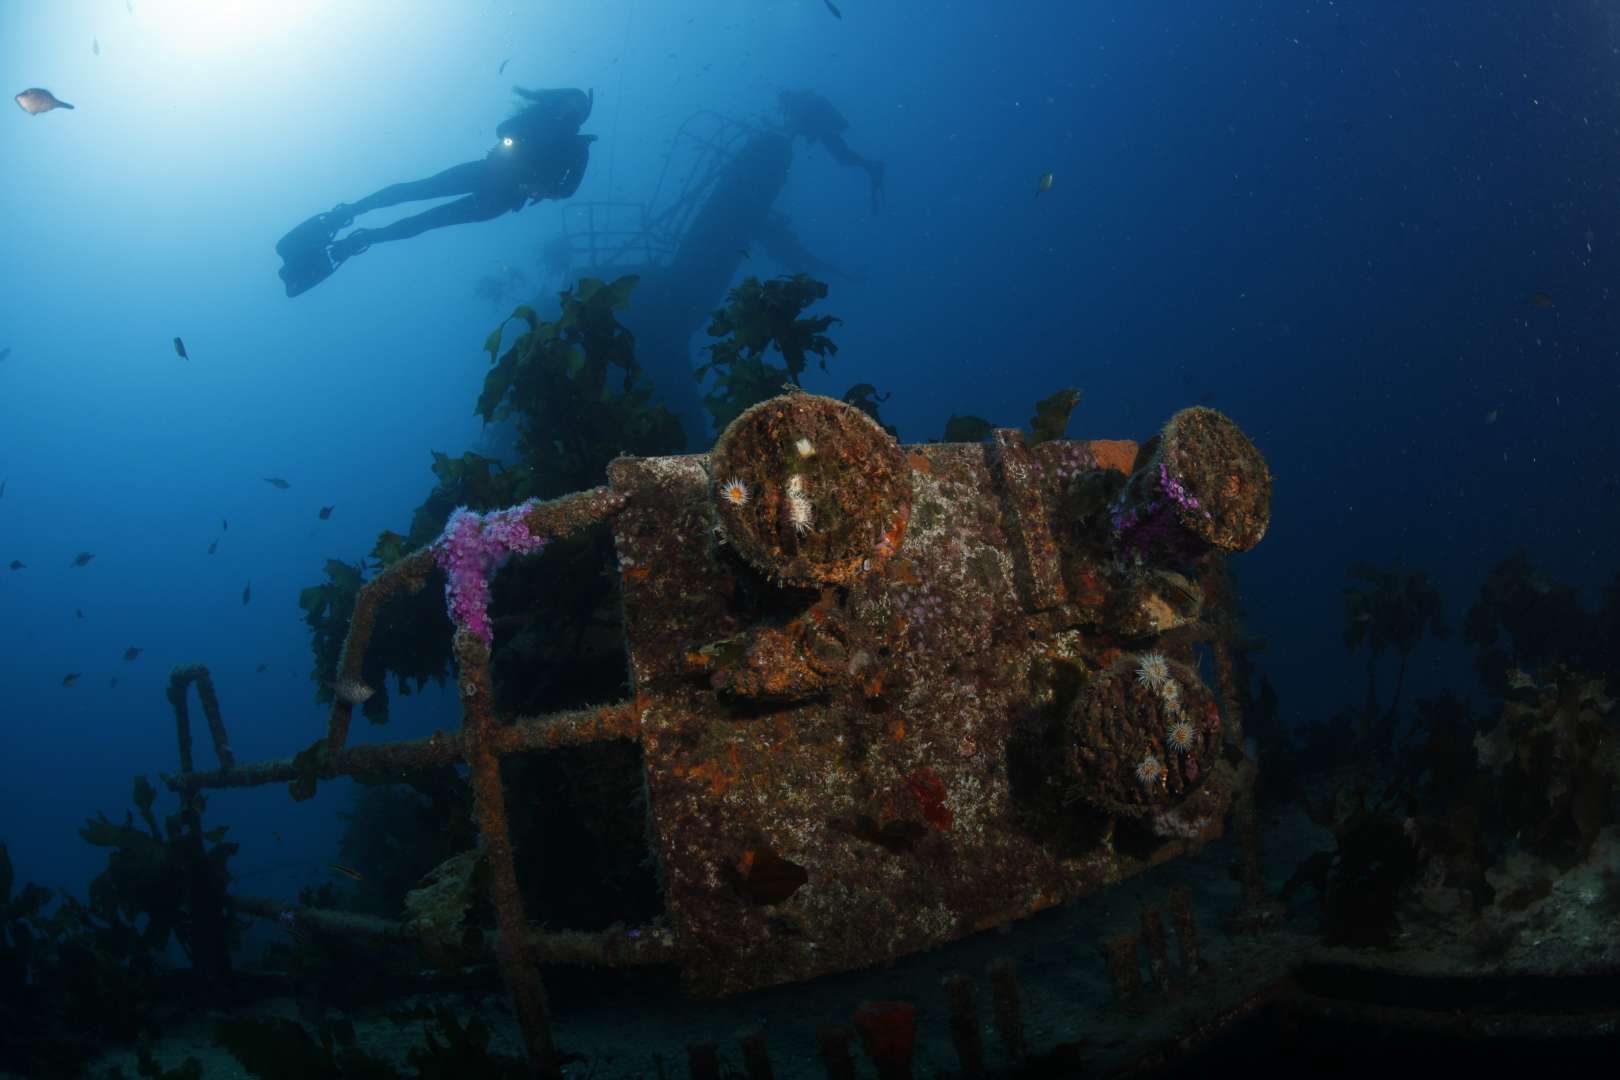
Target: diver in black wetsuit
{"type": "Point", "coordinates": [540, 155]}
{"type": "Point", "coordinates": [808, 114]}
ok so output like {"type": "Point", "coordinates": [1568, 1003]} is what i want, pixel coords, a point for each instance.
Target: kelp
{"type": "Point", "coordinates": [1050, 421]}
{"type": "Point", "coordinates": [759, 317]}
{"type": "Point", "coordinates": [865, 397]}
{"type": "Point", "coordinates": [1052, 414]}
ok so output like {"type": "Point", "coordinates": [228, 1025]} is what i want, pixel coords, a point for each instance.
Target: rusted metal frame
{"type": "Point", "coordinates": [481, 744]}
{"type": "Point", "coordinates": [481, 750]}
{"type": "Point", "coordinates": [575, 727]}
{"type": "Point", "coordinates": [179, 679]}
{"type": "Point", "coordinates": [636, 946]}
{"type": "Point", "coordinates": [554, 518]}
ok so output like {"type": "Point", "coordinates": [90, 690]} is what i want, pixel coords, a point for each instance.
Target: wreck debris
{"type": "Point", "coordinates": [1119, 952]}
{"type": "Point", "coordinates": [1158, 947]}
{"type": "Point", "coordinates": [910, 702]}
{"type": "Point", "coordinates": [832, 1047]}
{"type": "Point", "coordinates": [1181, 915]}
{"type": "Point", "coordinates": [964, 1024]}
{"type": "Point", "coordinates": [1009, 1009]}
{"type": "Point", "coordinates": [703, 1060]}
{"type": "Point", "coordinates": [888, 1031]}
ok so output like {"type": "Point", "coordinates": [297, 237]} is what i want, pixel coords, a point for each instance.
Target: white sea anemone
{"type": "Point", "coordinates": [1180, 734]}
{"type": "Point", "coordinates": [1152, 670]}
{"type": "Point", "coordinates": [1150, 771]}
{"type": "Point", "coordinates": [800, 513]}
{"type": "Point", "coordinates": [735, 492]}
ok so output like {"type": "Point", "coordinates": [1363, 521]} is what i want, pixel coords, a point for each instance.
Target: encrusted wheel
{"type": "Point", "coordinates": [809, 490]}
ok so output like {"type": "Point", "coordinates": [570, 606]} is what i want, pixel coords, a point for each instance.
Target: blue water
{"type": "Point", "coordinates": [1327, 220]}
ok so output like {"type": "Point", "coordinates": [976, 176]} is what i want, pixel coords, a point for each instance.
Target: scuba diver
{"type": "Point", "coordinates": [540, 155]}
{"type": "Point", "coordinates": [808, 114]}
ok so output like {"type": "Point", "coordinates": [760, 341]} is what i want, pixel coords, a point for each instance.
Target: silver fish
{"type": "Point", "coordinates": [352, 691]}
{"type": "Point", "coordinates": [36, 100]}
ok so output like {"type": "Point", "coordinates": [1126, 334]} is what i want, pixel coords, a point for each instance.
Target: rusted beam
{"type": "Point", "coordinates": [637, 946]}
{"type": "Point", "coordinates": [526, 734]}
{"type": "Point", "coordinates": [515, 954]}
{"type": "Point", "coordinates": [408, 574]}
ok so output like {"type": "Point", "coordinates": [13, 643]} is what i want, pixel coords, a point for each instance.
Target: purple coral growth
{"type": "Point", "coordinates": [1155, 527]}
{"type": "Point", "coordinates": [1172, 487]}
{"type": "Point", "coordinates": [470, 550]}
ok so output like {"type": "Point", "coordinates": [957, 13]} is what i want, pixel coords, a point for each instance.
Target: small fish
{"type": "Point", "coordinates": [18, 564]}
{"type": "Point", "coordinates": [247, 593]}
{"type": "Point", "coordinates": [502, 69]}
{"type": "Point", "coordinates": [213, 546]}
{"type": "Point", "coordinates": [36, 100]}
{"type": "Point", "coordinates": [348, 871]}
{"type": "Point", "coordinates": [261, 669]}
{"type": "Point", "coordinates": [70, 678]}
{"type": "Point", "coordinates": [132, 653]}
{"type": "Point", "coordinates": [112, 683]}
{"type": "Point", "coordinates": [1540, 300]}
{"type": "Point", "coordinates": [1490, 417]}
{"type": "Point", "coordinates": [352, 691]}
{"type": "Point", "coordinates": [3, 482]}
{"type": "Point", "coordinates": [82, 558]}
{"type": "Point", "coordinates": [224, 526]}
{"type": "Point", "coordinates": [745, 253]}
{"type": "Point", "coordinates": [276, 836]}
{"type": "Point", "coordinates": [326, 511]}
{"type": "Point", "coordinates": [95, 46]}
{"type": "Point", "coordinates": [1044, 184]}
{"type": "Point", "coordinates": [180, 349]}
{"type": "Point", "coordinates": [77, 613]}
{"type": "Point", "coordinates": [5, 352]}
{"type": "Point", "coordinates": [833, 8]}
{"type": "Point", "coordinates": [277, 483]}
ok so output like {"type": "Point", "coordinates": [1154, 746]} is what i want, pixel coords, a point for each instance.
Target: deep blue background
{"type": "Point", "coordinates": [1325, 219]}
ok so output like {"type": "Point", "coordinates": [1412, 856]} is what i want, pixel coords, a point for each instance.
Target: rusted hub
{"type": "Point", "coordinates": [1143, 735]}
{"type": "Point", "coordinates": [810, 490]}
{"type": "Point", "coordinates": [1218, 464]}
{"type": "Point", "coordinates": [1200, 485]}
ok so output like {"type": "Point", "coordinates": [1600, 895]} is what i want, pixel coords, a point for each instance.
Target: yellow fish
{"type": "Point", "coordinates": [1044, 184]}
{"type": "Point", "coordinates": [348, 871]}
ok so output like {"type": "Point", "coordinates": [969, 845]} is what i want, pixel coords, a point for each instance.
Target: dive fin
{"type": "Point", "coordinates": [305, 262]}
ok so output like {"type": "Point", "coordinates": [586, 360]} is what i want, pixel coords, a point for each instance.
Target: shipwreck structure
{"type": "Point", "coordinates": [885, 696]}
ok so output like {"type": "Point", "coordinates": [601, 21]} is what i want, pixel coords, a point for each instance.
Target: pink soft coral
{"type": "Point", "coordinates": [470, 550]}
